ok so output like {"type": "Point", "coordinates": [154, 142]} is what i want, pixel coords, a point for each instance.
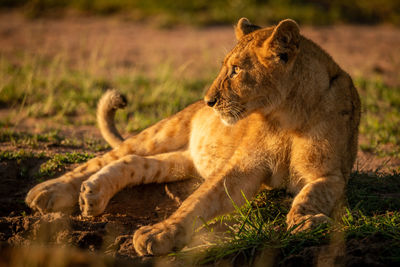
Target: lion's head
{"type": "Point", "coordinates": [256, 74]}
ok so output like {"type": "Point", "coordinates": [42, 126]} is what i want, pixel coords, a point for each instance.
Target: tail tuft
{"type": "Point", "coordinates": [109, 103]}
{"type": "Point", "coordinates": [117, 100]}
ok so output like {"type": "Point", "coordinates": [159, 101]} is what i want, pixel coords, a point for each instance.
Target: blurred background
{"type": "Point", "coordinates": [164, 54]}
{"type": "Point", "coordinates": [203, 12]}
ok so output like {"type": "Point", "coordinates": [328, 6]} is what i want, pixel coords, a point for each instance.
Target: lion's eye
{"type": "Point", "coordinates": [235, 70]}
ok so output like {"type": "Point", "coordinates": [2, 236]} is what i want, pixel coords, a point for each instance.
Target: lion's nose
{"type": "Point", "coordinates": [211, 102]}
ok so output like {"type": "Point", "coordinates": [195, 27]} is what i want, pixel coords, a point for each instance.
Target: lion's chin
{"type": "Point", "coordinates": [228, 120]}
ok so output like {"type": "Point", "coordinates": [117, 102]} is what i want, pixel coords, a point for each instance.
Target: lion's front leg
{"type": "Point", "coordinates": [61, 194]}
{"type": "Point", "coordinates": [315, 202]}
{"type": "Point", "coordinates": [97, 191]}
{"type": "Point", "coordinates": [208, 201]}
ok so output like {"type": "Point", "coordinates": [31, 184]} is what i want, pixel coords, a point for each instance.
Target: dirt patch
{"type": "Point", "coordinates": [111, 233]}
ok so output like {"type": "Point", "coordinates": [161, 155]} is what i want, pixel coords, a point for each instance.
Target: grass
{"type": "Point", "coordinates": [42, 88]}
{"type": "Point", "coordinates": [380, 117]}
{"type": "Point", "coordinates": [49, 138]}
{"type": "Point", "coordinates": [49, 88]}
{"type": "Point", "coordinates": [260, 226]}
{"type": "Point", "coordinates": [58, 162]}
{"type": "Point", "coordinates": [200, 12]}
{"type": "Point", "coordinates": [19, 155]}
{"type": "Point", "coordinates": [27, 139]}
{"type": "Point", "coordinates": [54, 163]}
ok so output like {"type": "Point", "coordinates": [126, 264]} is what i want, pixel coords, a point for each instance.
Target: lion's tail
{"type": "Point", "coordinates": [109, 103]}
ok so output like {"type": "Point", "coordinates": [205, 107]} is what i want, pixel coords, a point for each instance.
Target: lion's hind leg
{"type": "Point", "coordinates": [132, 170]}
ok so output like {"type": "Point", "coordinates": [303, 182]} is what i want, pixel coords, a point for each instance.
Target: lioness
{"type": "Point", "coordinates": [281, 113]}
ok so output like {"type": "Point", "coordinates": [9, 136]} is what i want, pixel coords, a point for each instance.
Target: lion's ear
{"type": "Point", "coordinates": [244, 27]}
{"type": "Point", "coordinates": [285, 39]}
{"type": "Point", "coordinates": [286, 33]}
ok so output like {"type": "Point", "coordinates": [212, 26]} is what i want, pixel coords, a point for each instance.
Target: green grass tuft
{"type": "Point", "coordinates": [18, 155]}
{"type": "Point", "coordinates": [39, 88]}
{"type": "Point", "coordinates": [26, 139]}
{"type": "Point", "coordinates": [260, 225]}
{"type": "Point", "coordinates": [380, 120]}
{"type": "Point", "coordinates": [58, 162]}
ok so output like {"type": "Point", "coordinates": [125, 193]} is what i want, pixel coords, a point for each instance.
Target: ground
{"type": "Point", "coordinates": [44, 133]}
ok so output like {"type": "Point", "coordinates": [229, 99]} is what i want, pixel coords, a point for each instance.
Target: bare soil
{"type": "Point", "coordinates": [111, 233]}
{"type": "Point", "coordinates": [28, 237]}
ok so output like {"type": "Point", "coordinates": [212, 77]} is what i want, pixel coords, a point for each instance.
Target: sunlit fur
{"type": "Point", "coordinates": [281, 114]}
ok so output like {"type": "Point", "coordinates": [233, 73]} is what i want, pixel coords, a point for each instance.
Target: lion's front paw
{"type": "Point", "coordinates": [52, 195]}
{"type": "Point", "coordinates": [300, 223]}
{"type": "Point", "coordinates": [93, 199]}
{"type": "Point", "coordinates": [159, 239]}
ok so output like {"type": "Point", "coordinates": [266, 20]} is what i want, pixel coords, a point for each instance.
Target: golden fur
{"type": "Point", "coordinates": [281, 113]}
{"type": "Point", "coordinates": [109, 103]}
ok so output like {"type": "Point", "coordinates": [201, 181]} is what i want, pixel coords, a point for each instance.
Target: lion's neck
{"type": "Point", "coordinates": [305, 86]}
